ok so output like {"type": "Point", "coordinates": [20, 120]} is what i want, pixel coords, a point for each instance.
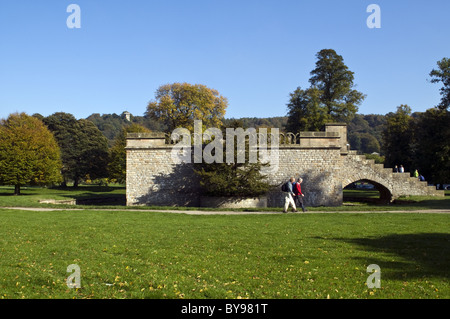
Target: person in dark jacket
{"type": "Point", "coordinates": [289, 197]}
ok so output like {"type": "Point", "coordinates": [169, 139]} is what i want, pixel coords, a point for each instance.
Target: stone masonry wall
{"type": "Point", "coordinates": [152, 177]}
{"type": "Point", "coordinates": [322, 159]}
{"type": "Point", "coordinates": [319, 170]}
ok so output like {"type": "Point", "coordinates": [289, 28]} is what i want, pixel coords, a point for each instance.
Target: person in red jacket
{"type": "Point", "coordinates": [298, 195]}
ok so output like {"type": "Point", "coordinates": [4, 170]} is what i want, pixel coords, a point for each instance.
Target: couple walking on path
{"type": "Point", "coordinates": [292, 194]}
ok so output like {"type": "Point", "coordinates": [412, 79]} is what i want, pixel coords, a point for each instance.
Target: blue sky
{"type": "Point", "coordinates": [254, 52]}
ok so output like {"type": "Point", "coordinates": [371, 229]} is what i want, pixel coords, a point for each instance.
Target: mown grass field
{"type": "Point", "coordinates": [142, 254]}
{"type": "Point", "coordinates": [32, 195]}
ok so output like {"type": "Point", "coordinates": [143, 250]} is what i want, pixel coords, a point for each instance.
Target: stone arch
{"type": "Point", "coordinates": [386, 195]}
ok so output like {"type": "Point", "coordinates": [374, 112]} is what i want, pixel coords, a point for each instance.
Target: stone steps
{"type": "Point", "coordinates": [422, 187]}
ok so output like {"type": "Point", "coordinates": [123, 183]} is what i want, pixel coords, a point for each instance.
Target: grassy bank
{"type": "Point", "coordinates": [129, 254]}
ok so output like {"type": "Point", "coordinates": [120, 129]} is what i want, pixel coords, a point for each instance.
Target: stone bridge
{"type": "Point", "coordinates": [322, 159]}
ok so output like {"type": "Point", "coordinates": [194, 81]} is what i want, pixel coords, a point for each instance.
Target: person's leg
{"type": "Point", "coordinates": [291, 200]}
{"type": "Point", "coordinates": [302, 201]}
{"type": "Point", "coordinates": [286, 202]}
{"type": "Point", "coordinates": [298, 201]}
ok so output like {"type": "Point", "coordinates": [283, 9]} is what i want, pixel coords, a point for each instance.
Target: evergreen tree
{"type": "Point", "coordinates": [306, 112]}
{"type": "Point", "coordinates": [398, 138]}
{"type": "Point", "coordinates": [335, 81]}
{"type": "Point", "coordinates": [331, 97]}
{"type": "Point", "coordinates": [233, 179]}
{"type": "Point", "coordinates": [432, 153]}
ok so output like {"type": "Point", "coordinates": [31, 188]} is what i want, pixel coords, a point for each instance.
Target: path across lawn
{"type": "Point", "coordinates": [205, 212]}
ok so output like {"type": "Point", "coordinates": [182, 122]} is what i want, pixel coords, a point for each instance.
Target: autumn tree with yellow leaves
{"type": "Point", "coordinates": [179, 104]}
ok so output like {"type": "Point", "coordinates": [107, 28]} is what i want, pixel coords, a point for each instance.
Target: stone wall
{"type": "Point", "coordinates": [319, 169]}
{"type": "Point", "coordinates": [153, 179]}
{"type": "Point", "coordinates": [322, 159]}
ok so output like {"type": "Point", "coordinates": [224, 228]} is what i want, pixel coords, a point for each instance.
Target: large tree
{"type": "Point", "coordinates": [331, 97]}
{"type": "Point", "coordinates": [29, 154]}
{"type": "Point", "coordinates": [398, 138]}
{"type": "Point", "coordinates": [306, 112]}
{"type": "Point", "coordinates": [84, 149]}
{"type": "Point", "coordinates": [240, 176]}
{"type": "Point", "coordinates": [233, 179]}
{"type": "Point", "coordinates": [334, 79]}
{"type": "Point", "coordinates": [432, 153]}
{"type": "Point", "coordinates": [442, 74]}
{"type": "Point", "coordinates": [179, 104]}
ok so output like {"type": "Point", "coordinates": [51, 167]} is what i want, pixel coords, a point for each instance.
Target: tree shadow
{"type": "Point", "coordinates": [94, 195]}
{"type": "Point", "coordinates": [90, 189]}
{"type": "Point", "coordinates": [180, 187]}
{"type": "Point", "coordinates": [423, 254]}
{"type": "Point", "coordinates": [313, 186]}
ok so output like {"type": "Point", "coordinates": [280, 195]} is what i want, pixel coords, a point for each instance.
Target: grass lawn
{"type": "Point", "coordinates": [141, 254]}
{"type": "Point", "coordinates": [32, 195]}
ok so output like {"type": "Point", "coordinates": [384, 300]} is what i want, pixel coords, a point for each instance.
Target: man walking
{"type": "Point", "coordinates": [288, 196]}
{"type": "Point", "coordinates": [299, 195]}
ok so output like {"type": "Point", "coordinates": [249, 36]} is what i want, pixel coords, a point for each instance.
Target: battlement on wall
{"type": "Point", "coordinates": [334, 137]}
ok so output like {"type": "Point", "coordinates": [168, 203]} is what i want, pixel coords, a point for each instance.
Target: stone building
{"type": "Point", "coordinates": [322, 159]}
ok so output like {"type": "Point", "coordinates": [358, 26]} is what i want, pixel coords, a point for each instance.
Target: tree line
{"type": "Point", "coordinates": [59, 148]}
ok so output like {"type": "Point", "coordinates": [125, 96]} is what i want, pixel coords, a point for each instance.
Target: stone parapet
{"type": "Point", "coordinates": [322, 159]}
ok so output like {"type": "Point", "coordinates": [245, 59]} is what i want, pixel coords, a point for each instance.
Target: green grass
{"type": "Point", "coordinates": [31, 195]}
{"type": "Point", "coordinates": [141, 254]}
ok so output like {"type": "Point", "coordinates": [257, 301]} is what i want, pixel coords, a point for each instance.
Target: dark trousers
{"type": "Point", "coordinates": [300, 202]}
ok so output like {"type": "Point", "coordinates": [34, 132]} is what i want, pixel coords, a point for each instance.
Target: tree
{"type": "Point", "coordinates": [84, 149]}
{"type": "Point", "coordinates": [442, 74]}
{"type": "Point", "coordinates": [398, 138]}
{"type": "Point", "coordinates": [365, 132]}
{"type": "Point", "coordinates": [369, 144]}
{"type": "Point", "coordinates": [432, 133]}
{"type": "Point", "coordinates": [29, 154]}
{"type": "Point", "coordinates": [333, 78]}
{"type": "Point", "coordinates": [117, 167]}
{"type": "Point", "coordinates": [306, 112]}
{"type": "Point", "coordinates": [331, 97]}
{"type": "Point", "coordinates": [179, 104]}
{"type": "Point", "coordinates": [233, 179]}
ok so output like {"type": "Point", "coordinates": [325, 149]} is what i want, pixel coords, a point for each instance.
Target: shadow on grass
{"type": "Point", "coordinates": [103, 200]}
{"type": "Point", "coordinates": [89, 189]}
{"type": "Point", "coordinates": [84, 195]}
{"type": "Point", "coordinates": [426, 254]}
{"type": "Point", "coordinates": [427, 203]}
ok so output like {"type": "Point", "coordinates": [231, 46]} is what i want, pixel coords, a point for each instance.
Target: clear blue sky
{"type": "Point", "coordinates": [254, 52]}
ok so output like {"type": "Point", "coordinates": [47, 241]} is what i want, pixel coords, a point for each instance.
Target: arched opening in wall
{"type": "Point", "coordinates": [367, 191]}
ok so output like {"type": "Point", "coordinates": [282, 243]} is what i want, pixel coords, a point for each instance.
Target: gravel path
{"type": "Point", "coordinates": [204, 212]}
